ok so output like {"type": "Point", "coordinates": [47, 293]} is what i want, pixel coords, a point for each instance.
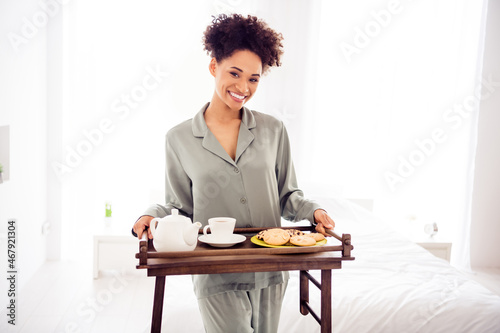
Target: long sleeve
{"type": "Point", "coordinates": [177, 186]}
{"type": "Point", "coordinates": [294, 206]}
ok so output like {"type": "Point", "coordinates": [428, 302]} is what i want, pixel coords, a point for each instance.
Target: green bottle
{"type": "Point", "coordinates": [108, 209]}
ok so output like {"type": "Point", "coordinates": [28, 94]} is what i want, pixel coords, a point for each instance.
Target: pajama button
{"type": "Point", "coordinates": [243, 200]}
{"type": "Point", "coordinates": [236, 170]}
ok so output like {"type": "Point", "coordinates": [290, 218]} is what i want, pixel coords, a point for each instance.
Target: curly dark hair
{"type": "Point", "coordinates": [227, 34]}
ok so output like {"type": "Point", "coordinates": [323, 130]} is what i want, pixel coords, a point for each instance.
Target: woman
{"type": "Point", "coordinates": [231, 161]}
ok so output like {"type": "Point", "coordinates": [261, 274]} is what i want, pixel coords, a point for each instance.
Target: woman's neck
{"type": "Point", "coordinates": [220, 112]}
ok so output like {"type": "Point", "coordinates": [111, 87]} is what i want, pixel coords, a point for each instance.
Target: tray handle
{"type": "Point", "coordinates": [143, 248]}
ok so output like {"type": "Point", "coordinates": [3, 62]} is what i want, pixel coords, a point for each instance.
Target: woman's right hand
{"type": "Point", "coordinates": [142, 223]}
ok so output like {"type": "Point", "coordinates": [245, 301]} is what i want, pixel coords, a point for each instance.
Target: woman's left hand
{"type": "Point", "coordinates": [323, 221]}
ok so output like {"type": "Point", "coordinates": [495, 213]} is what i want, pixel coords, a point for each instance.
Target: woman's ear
{"type": "Point", "coordinates": [212, 67]}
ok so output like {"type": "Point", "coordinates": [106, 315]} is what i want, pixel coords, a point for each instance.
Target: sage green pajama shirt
{"type": "Point", "coordinates": [257, 188]}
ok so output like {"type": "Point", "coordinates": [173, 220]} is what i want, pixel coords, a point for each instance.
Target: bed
{"type": "Point", "coordinates": [393, 286]}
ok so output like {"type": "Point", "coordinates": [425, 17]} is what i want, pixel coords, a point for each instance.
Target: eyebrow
{"type": "Point", "coordinates": [241, 71]}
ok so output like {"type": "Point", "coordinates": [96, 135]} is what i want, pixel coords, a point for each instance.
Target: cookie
{"type": "Point", "coordinates": [303, 240]}
{"type": "Point", "coordinates": [294, 232]}
{"type": "Point", "coordinates": [261, 234]}
{"type": "Point", "coordinates": [276, 237]}
{"type": "Point", "coordinates": [317, 236]}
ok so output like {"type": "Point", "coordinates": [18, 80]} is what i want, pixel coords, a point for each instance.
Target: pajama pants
{"type": "Point", "coordinates": [243, 311]}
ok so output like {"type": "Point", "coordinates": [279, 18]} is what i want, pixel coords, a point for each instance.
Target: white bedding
{"type": "Point", "coordinates": [392, 286]}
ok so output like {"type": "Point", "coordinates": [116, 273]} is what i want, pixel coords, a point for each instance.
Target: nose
{"type": "Point", "coordinates": [243, 87]}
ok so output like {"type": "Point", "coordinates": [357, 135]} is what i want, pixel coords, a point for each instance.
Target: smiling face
{"type": "Point", "coordinates": [236, 79]}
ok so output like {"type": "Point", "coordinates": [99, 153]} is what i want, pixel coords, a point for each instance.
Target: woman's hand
{"type": "Point", "coordinates": [323, 221]}
{"type": "Point", "coordinates": [142, 223]}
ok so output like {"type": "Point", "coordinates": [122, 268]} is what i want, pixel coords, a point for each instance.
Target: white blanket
{"type": "Point", "coordinates": [394, 286]}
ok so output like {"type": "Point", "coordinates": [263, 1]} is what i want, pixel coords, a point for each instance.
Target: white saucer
{"type": "Point", "coordinates": [235, 239]}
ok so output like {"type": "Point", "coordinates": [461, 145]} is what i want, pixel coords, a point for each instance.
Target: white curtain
{"type": "Point", "coordinates": [396, 110]}
{"type": "Point", "coordinates": [365, 89]}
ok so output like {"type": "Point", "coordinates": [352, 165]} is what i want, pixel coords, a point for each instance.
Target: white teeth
{"type": "Point", "coordinates": [236, 95]}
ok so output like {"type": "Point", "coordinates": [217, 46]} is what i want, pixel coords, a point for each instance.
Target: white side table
{"type": "Point", "coordinates": [114, 249]}
{"type": "Point", "coordinates": [438, 247]}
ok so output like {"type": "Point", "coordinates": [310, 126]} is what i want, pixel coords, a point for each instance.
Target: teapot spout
{"type": "Point", "coordinates": [191, 233]}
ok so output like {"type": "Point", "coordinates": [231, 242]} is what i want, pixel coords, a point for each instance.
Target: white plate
{"type": "Point", "coordinates": [234, 240]}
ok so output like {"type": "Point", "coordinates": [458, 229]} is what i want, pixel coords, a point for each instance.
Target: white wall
{"type": "Point", "coordinates": [23, 108]}
{"type": "Point", "coordinates": [485, 226]}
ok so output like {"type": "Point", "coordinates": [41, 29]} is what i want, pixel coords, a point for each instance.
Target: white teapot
{"type": "Point", "coordinates": [174, 233]}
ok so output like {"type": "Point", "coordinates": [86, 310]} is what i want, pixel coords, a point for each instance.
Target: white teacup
{"type": "Point", "coordinates": [221, 227]}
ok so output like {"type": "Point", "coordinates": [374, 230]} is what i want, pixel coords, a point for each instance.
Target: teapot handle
{"type": "Point", "coordinates": [152, 225]}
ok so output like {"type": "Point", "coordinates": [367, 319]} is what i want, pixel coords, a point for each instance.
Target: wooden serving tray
{"type": "Point", "coordinates": [146, 249]}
